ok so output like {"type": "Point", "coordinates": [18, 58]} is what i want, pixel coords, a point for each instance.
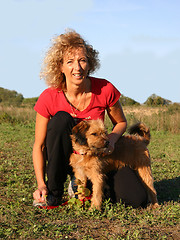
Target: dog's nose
{"type": "Point", "coordinates": [107, 144]}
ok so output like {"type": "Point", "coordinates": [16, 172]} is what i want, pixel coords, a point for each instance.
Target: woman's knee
{"type": "Point", "coordinates": [61, 120]}
{"type": "Point", "coordinates": [58, 135]}
{"type": "Point", "coordinates": [129, 188]}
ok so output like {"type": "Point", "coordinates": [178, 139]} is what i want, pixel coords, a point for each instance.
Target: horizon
{"type": "Point", "coordinates": [120, 97]}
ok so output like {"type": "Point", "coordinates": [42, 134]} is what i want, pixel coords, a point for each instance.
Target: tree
{"type": "Point", "coordinates": [10, 97]}
{"type": "Point", "coordinates": [155, 100]}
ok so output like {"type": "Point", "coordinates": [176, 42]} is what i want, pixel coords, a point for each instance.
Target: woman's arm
{"type": "Point", "coordinates": [117, 117]}
{"type": "Point", "coordinates": [38, 160]}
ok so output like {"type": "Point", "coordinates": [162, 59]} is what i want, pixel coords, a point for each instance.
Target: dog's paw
{"type": "Point", "coordinates": [83, 192]}
{"type": "Point", "coordinates": [155, 205]}
{"type": "Point", "coordinates": [81, 196]}
{"type": "Point", "coordinates": [93, 207]}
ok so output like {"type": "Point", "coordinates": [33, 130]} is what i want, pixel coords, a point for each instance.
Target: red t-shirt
{"type": "Point", "coordinates": [104, 95]}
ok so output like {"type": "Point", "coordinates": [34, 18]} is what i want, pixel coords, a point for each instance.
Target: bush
{"type": "Point", "coordinates": [10, 98]}
{"type": "Point", "coordinates": [166, 118]}
{"type": "Point", "coordinates": [173, 108]}
{"type": "Point", "coordinates": [29, 102]}
{"type": "Point", "coordinates": [5, 117]}
{"type": "Point", "coordinates": [126, 101]}
{"type": "Point", "coordinates": [155, 100]}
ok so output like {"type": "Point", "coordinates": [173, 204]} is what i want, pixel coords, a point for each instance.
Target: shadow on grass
{"type": "Point", "coordinates": [168, 190]}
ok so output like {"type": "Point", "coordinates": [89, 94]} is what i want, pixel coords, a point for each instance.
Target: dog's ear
{"type": "Point", "coordinates": [79, 132]}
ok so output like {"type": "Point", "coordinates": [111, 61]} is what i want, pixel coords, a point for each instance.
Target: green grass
{"type": "Point", "coordinates": [20, 220]}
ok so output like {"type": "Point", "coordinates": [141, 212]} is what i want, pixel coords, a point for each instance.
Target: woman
{"type": "Point", "coordinates": [73, 96]}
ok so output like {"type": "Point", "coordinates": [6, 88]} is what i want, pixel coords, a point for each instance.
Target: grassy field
{"type": "Point", "coordinates": [19, 220]}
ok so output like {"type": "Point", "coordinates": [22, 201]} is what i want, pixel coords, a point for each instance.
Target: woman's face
{"type": "Point", "coordinates": [75, 66]}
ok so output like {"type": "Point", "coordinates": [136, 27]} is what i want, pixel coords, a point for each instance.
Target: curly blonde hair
{"type": "Point", "coordinates": [65, 44]}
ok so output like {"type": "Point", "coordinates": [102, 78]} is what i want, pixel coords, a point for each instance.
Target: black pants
{"type": "Point", "coordinates": [59, 148]}
{"type": "Point", "coordinates": [124, 184]}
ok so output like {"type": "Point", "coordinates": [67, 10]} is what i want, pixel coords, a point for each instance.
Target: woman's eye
{"type": "Point", "coordinates": [69, 61]}
{"type": "Point", "coordinates": [83, 60]}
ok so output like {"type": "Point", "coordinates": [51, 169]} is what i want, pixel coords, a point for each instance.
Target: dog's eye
{"type": "Point", "coordinates": [94, 134]}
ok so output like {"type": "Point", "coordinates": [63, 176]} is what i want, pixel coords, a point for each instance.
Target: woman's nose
{"type": "Point", "coordinates": [77, 66]}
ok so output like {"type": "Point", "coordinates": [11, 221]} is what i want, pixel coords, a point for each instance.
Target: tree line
{"type": "Point", "coordinates": [13, 98]}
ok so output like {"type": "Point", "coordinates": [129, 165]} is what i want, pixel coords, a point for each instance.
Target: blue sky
{"type": "Point", "coordinates": [138, 42]}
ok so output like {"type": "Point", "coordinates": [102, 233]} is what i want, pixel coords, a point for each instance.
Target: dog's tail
{"type": "Point", "coordinates": [141, 130]}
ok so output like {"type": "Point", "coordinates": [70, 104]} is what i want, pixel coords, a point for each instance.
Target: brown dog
{"type": "Point", "coordinates": [90, 141]}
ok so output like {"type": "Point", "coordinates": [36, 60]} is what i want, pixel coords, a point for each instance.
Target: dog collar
{"type": "Point", "coordinates": [75, 152]}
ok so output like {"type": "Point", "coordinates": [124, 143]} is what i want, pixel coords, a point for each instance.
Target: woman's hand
{"type": "Point", "coordinates": [109, 150]}
{"type": "Point", "coordinates": [40, 194]}
{"type": "Point", "coordinates": [118, 119]}
{"type": "Point", "coordinates": [110, 147]}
